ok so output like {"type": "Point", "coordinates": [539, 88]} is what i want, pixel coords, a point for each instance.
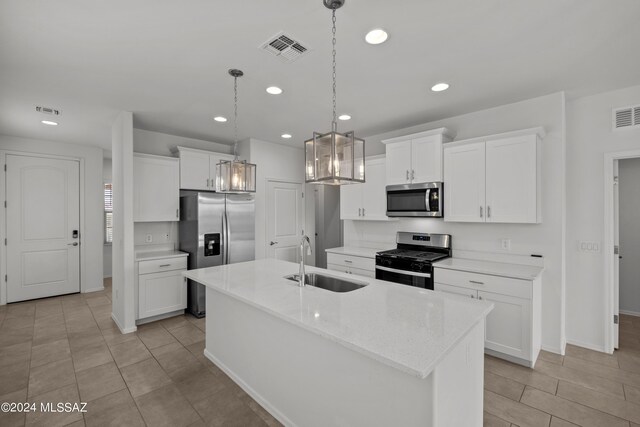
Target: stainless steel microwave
{"type": "Point", "coordinates": [411, 200]}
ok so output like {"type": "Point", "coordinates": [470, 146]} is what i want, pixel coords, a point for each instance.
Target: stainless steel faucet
{"type": "Point", "coordinates": [301, 273]}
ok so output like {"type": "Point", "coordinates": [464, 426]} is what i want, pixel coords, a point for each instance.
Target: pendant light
{"type": "Point", "coordinates": [334, 158]}
{"type": "Point", "coordinates": [235, 176]}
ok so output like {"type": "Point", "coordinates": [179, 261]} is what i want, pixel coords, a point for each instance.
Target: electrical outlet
{"type": "Point", "coordinates": [166, 237]}
{"type": "Point", "coordinates": [148, 238]}
{"type": "Point", "coordinates": [586, 246]}
{"type": "Point", "coordinates": [506, 244]}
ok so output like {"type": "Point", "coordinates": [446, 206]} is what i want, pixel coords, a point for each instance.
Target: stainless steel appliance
{"type": "Point", "coordinates": [411, 262]}
{"type": "Point", "coordinates": [415, 200]}
{"type": "Point", "coordinates": [215, 229]}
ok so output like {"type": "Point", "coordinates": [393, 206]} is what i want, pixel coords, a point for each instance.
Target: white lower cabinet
{"type": "Point", "coordinates": [161, 287]}
{"type": "Point", "coordinates": [351, 264]}
{"type": "Point", "coordinates": [512, 329]}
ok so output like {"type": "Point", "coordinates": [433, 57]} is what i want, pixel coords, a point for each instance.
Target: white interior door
{"type": "Point", "coordinates": [43, 222]}
{"type": "Point", "coordinates": [616, 258]}
{"type": "Point", "coordinates": [284, 220]}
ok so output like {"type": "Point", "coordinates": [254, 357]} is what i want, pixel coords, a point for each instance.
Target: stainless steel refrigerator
{"type": "Point", "coordinates": [215, 229]}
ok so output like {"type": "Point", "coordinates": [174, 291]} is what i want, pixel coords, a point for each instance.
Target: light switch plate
{"type": "Point", "coordinates": [506, 244]}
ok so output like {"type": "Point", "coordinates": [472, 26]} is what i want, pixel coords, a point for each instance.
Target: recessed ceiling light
{"type": "Point", "coordinates": [344, 117]}
{"type": "Point", "coordinates": [274, 90]}
{"type": "Point", "coordinates": [49, 122]}
{"type": "Point", "coordinates": [285, 136]}
{"type": "Point", "coordinates": [220, 119]}
{"type": "Point", "coordinates": [440, 87]}
{"type": "Point", "coordinates": [376, 36]}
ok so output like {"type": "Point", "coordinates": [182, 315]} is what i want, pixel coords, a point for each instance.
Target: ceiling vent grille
{"type": "Point", "coordinates": [626, 117]}
{"type": "Point", "coordinates": [284, 47]}
{"type": "Point", "coordinates": [47, 110]}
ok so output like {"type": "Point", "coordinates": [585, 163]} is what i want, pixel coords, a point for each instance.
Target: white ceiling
{"type": "Point", "coordinates": [166, 61]}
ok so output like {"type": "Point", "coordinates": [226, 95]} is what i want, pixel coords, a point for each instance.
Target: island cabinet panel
{"type": "Point", "coordinates": [366, 201]}
{"type": "Point", "coordinates": [513, 327]}
{"type": "Point", "coordinates": [351, 264]}
{"type": "Point", "coordinates": [156, 188]}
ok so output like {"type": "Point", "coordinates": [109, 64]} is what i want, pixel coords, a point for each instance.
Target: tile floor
{"type": "Point", "coordinates": [67, 349]}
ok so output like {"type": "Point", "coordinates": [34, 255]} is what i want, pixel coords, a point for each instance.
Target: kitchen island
{"type": "Point", "coordinates": [385, 354]}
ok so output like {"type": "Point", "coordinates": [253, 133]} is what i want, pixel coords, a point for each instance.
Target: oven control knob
{"type": "Point", "coordinates": [417, 266]}
{"type": "Point", "coordinates": [386, 262]}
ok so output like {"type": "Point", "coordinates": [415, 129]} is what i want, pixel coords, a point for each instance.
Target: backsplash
{"type": "Point", "coordinates": [164, 235]}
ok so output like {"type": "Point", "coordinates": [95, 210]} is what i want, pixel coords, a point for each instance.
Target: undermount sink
{"type": "Point", "coordinates": [330, 283]}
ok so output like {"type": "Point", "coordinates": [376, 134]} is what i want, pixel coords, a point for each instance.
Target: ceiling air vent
{"type": "Point", "coordinates": [47, 110]}
{"type": "Point", "coordinates": [626, 117]}
{"type": "Point", "coordinates": [284, 47]}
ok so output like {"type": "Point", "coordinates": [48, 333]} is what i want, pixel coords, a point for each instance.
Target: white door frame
{"type": "Point", "coordinates": [303, 221]}
{"type": "Point", "coordinates": [3, 215]}
{"type": "Point", "coordinates": [607, 247]}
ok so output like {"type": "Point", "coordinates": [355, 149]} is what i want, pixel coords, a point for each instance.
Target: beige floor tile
{"type": "Point", "coordinates": [179, 364]}
{"type": "Point", "coordinates": [174, 322]}
{"type": "Point", "coordinates": [9, 337]}
{"type": "Point", "coordinates": [602, 402]}
{"type": "Point", "coordinates": [98, 301]}
{"type": "Point", "coordinates": [145, 376]}
{"type": "Point", "coordinates": [17, 323]}
{"type": "Point", "coordinates": [81, 340]}
{"type": "Point", "coordinates": [14, 377]}
{"type": "Point", "coordinates": [90, 356]}
{"type": "Point", "coordinates": [65, 394]}
{"type": "Point", "coordinates": [12, 354]}
{"type": "Point", "coordinates": [159, 351]}
{"type": "Point", "coordinates": [551, 357]}
{"type": "Point", "coordinates": [503, 386]}
{"type": "Point", "coordinates": [21, 309]}
{"type": "Point", "coordinates": [199, 385]}
{"type": "Point", "coordinates": [570, 411]}
{"type": "Point", "coordinates": [115, 337]}
{"type": "Point", "coordinates": [188, 334]}
{"type": "Point", "coordinates": [48, 310]}
{"type": "Point", "coordinates": [156, 336]}
{"type": "Point", "coordinates": [521, 374]}
{"type": "Point", "coordinates": [580, 377]}
{"type": "Point", "coordinates": [116, 409]}
{"type": "Point", "coordinates": [613, 374]}
{"type": "Point", "coordinates": [50, 352]}
{"type": "Point", "coordinates": [199, 323]}
{"type": "Point", "coordinates": [11, 419]}
{"type": "Point", "coordinates": [166, 407]}
{"type": "Point", "coordinates": [490, 420]}
{"type": "Point", "coordinates": [632, 394]}
{"type": "Point", "coordinates": [51, 376]}
{"type": "Point", "coordinates": [130, 352]}
{"type": "Point", "coordinates": [558, 422]}
{"type": "Point", "coordinates": [81, 323]}
{"type": "Point", "coordinates": [48, 321]}
{"type": "Point", "coordinates": [99, 381]}
{"type": "Point", "coordinates": [514, 412]}
{"type": "Point", "coordinates": [268, 419]}
{"type": "Point", "coordinates": [223, 409]}
{"type": "Point", "coordinates": [629, 361]}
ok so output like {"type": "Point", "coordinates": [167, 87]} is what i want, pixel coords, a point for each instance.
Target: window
{"type": "Point", "coordinates": [108, 213]}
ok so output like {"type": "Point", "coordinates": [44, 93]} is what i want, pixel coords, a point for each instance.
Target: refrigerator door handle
{"type": "Point", "coordinates": [225, 237]}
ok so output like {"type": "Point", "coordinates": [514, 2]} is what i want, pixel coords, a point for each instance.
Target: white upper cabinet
{"type": "Point", "coordinates": [366, 201]}
{"type": "Point", "coordinates": [156, 188]}
{"type": "Point", "coordinates": [198, 168]}
{"type": "Point", "coordinates": [494, 179]}
{"type": "Point", "coordinates": [464, 182]}
{"type": "Point", "coordinates": [416, 158]}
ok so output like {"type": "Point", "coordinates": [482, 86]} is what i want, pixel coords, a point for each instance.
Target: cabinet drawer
{"type": "Point", "coordinates": [158, 265]}
{"type": "Point", "coordinates": [457, 290]}
{"type": "Point", "coordinates": [351, 270]}
{"type": "Point", "coordinates": [484, 282]}
{"type": "Point", "coordinates": [352, 261]}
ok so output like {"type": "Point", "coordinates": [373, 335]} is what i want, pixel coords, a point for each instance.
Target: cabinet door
{"type": "Point", "coordinates": [156, 189]}
{"type": "Point", "coordinates": [398, 163]}
{"type": "Point", "coordinates": [374, 195]}
{"type": "Point", "coordinates": [426, 159]}
{"type": "Point", "coordinates": [512, 180]}
{"type": "Point", "coordinates": [464, 183]}
{"type": "Point", "coordinates": [194, 171]}
{"type": "Point", "coordinates": [470, 293]}
{"type": "Point", "coordinates": [508, 325]}
{"type": "Point", "coordinates": [160, 293]}
{"type": "Point", "coordinates": [351, 201]}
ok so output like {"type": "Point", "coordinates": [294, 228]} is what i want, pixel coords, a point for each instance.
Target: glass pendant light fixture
{"type": "Point", "coordinates": [235, 176]}
{"type": "Point", "coordinates": [334, 158]}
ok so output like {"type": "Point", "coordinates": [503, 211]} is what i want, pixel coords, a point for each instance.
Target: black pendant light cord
{"type": "Point", "coordinates": [235, 117]}
{"type": "Point", "coordinates": [334, 122]}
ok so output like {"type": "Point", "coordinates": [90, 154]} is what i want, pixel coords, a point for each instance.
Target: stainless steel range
{"type": "Point", "coordinates": [411, 262]}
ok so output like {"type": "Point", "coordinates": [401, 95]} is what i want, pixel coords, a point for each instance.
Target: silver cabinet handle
{"type": "Point", "coordinates": [72, 244]}
{"type": "Point", "coordinates": [413, 174]}
{"type": "Point", "coordinates": [362, 211]}
{"type": "Point", "coordinates": [348, 261]}
{"type": "Point", "coordinates": [207, 182]}
{"type": "Point", "coordinates": [475, 282]}
{"type": "Point", "coordinates": [359, 211]}
{"type": "Point", "coordinates": [273, 243]}
{"type": "Point", "coordinates": [164, 265]}
{"type": "Point", "coordinates": [472, 296]}
{"type": "Point", "coordinates": [177, 213]}
{"type": "Point", "coordinates": [480, 211]}
{"type": "Point", "coordinates": [407, 174]}
{"type": "Point", "coordinates": [488, 211]}
{"type": "Point", "coordinates": [479, 297]}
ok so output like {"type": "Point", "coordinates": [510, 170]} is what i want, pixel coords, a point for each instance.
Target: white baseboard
{"type": "Point", "coordinates": [629, 313]}
{"type": "Point", "coordinates": [86, 291]}
{"type": "Point", "coordinates": [590, 346]}
{"type": "Point", "coordinates": [250, 391]}
{"type": "Point", "coordinates": [123, 330]}
{"type": "Point", "coordinates": [551, 349]}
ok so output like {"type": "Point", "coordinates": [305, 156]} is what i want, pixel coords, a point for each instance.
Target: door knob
{"type": "Point", "coordinates": [72, 244]}
{"type": "Point", "coordinates": [273, 243]}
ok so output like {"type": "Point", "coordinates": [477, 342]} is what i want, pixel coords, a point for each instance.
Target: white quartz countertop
{"type": "Point", "coordinates": [151, 255]}
{"type": "Point", "coordinates": [355, 251]}
{"type": "Point", "coordinates": [408, 328]}
{"type": "Point", "coordinates": [515, 271]}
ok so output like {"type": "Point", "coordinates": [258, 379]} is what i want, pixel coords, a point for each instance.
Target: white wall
{"type": "Point", "coordinates": [162, 144]}
{"type": "Point", "coordinates": [629, 187]}
{"type": "Point", "coordinates": [123, 296]}
{"type": "Point", "coordinates": [589, 136]}
{"type": "Point", "coordinates": [275, 162]}
{"type": "Point", "coordinates": [106, 248]}
{"type": "Point", "coordinates": [545, 239]}
{"type": "Point", "coordinates": [91, 179]}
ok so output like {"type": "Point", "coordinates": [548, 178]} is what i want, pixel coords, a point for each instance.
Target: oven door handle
{"type": "Point", "coordinates": [408, 273]}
